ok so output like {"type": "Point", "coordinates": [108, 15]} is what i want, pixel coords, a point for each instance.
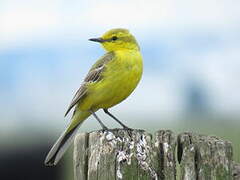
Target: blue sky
{"type": "Point", "coordinates": [44, 55]}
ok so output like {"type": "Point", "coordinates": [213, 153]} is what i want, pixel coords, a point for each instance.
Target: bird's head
{"type": "Point", "coordinates": [117, 39]}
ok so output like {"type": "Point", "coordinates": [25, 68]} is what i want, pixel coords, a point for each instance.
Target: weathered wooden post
{"type": "Point", "coordinates": [136, 155]}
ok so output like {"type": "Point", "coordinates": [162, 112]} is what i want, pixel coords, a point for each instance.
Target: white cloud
{"type": "Point", "coordinates": [23, 21]}
{"type": "Point", "coordinates": [124, 13]}
{"type": "Point", "coordinates": [171, 15]}
{"type": "Point", "coordinates": [205, 13]}
{"type": "Point", "coordinates": [33, 20]}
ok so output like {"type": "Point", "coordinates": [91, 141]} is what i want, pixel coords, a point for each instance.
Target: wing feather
{"type": "Point", "coordinates": [94, 75]}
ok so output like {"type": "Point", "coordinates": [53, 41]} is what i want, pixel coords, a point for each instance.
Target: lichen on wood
{"type": "Point", "coordinates": [135, 155]}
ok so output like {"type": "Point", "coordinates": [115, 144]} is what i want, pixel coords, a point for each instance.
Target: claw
{"type": "Point", "coordinates": [129, 130]}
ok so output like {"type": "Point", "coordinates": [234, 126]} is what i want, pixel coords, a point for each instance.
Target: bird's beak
{"type": "Point", "coordinates": [100, 40]}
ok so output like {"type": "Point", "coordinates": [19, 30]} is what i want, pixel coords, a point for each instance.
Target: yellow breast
{"type": "Point", "coordinates": [119, 79]}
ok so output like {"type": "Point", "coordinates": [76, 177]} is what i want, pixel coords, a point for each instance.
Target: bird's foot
{"type": "Point", "coordinates": [129, 130]}
{"type": "Point", "coordinates": [105, 128]}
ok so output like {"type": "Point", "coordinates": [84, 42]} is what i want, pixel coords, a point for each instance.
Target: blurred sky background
{"type": "Point", "coordinates": [191, 53]}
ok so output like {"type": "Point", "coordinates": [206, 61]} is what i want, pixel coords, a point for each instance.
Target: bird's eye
{"type": "Point", "coordinates": [114, 38]}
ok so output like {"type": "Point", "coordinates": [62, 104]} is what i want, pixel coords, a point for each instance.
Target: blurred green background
{"type": "Point", "coordinates": [191, 53]}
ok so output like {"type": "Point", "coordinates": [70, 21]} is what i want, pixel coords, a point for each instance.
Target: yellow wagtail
{"type": "Point", "coordinates": [110, 80]}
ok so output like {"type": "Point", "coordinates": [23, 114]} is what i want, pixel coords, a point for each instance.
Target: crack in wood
{"type": "Point", "coordinates": [113, 155]}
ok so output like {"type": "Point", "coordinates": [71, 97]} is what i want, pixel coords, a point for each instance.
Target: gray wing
{"type": "Point", "coordinates": [94, 75]}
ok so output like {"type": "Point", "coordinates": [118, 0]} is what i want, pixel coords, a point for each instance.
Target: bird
{"type": "Point", "coordinates": [109, 81]}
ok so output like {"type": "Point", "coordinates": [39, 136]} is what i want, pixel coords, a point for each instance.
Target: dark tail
{"type": "Point", "coordinates": [66, 138]}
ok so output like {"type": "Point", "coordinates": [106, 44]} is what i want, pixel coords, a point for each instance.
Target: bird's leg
{"type": "Point", "coordinates": [123, 125]}
{"type": "Point", "coordinates": [100, 122]}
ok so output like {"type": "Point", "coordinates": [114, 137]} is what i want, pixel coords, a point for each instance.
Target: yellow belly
{"type": "Point", "coordinates": [120, 78]}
